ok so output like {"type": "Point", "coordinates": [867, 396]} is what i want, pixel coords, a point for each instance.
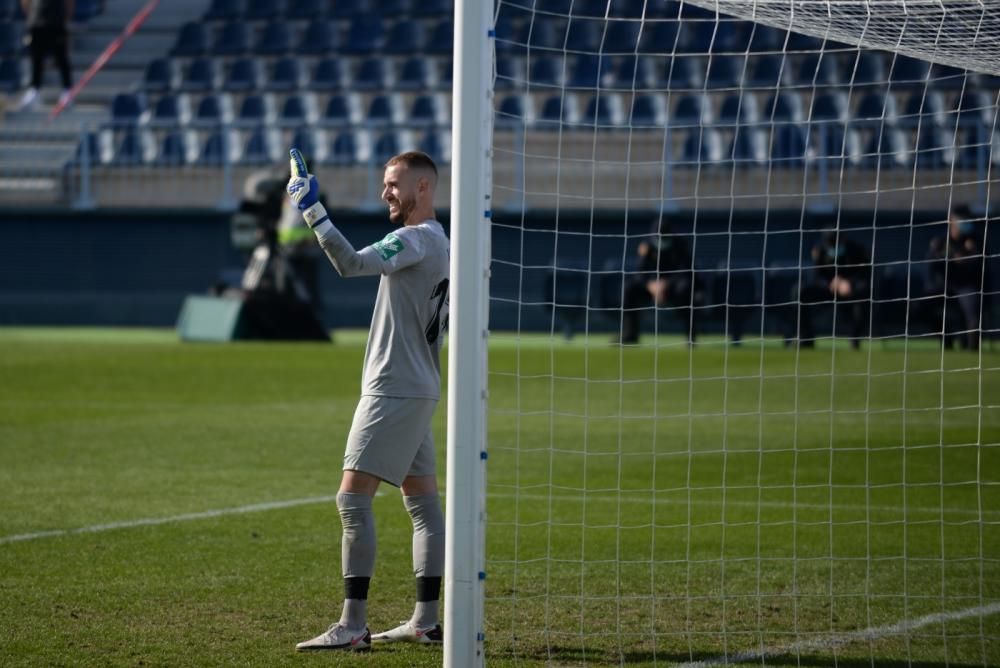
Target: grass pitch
{"type": "Point", "coordinates": [171, 504]}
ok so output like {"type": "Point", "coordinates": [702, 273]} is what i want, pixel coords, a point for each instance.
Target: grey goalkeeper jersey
{"type": "Point", "coordinates": [411, 310]}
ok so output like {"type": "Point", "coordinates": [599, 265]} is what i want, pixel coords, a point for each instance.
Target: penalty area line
{"type": "Point", "coordinates": [833, 641]}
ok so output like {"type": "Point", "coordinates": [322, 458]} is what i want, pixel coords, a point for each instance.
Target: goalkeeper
{"type": "Point", "coordinates": [390, 438]}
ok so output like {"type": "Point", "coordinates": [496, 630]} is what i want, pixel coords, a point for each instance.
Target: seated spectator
{"type": "Point", "coordinates": [955, 274]}
{"type": "Point", "coordinates": [664, 278]}
{"type": "Point", "coordinates": [842, 276]}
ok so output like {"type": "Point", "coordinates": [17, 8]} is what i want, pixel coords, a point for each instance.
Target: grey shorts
{"type": "Point", "coordinates": [391, 438]}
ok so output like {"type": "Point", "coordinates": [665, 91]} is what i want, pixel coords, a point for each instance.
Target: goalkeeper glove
{"type": "Point", "coordinates": [303, 190]}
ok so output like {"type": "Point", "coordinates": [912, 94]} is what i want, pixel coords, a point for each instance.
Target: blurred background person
{"type": "Point", "coordinates": [48, 22]}
{"type": "Point", "coordinates": [841, 277]}
{"type": "Point", "coordinates": [955, 280]}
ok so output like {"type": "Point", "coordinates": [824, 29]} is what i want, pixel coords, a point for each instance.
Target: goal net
{"type": "Point", "coordinates": [744, 397]}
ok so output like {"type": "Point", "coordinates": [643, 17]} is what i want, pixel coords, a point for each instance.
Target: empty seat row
{"type": "Point", "coordinates": [425, 110]}
{"type": "Point", "coordinates": [697, 72]}
{"type": "Point", "coordinates": [291, 73]}
{"type": "Point", "coordinates": [174, 147]}
{"type": "Point", "coordinates": [257, 10]}
{"type": "Point", "coordinates": [83, 10]}
{"type": "Point", "coordinates": [363, 35]}
{"type": "Point", "coordinates": [873, 109]}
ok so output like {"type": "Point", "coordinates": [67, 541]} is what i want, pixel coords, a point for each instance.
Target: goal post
{"type": "Point", "coordinates": [468, 325]}
{"type": "Point", "coordinates": [729, 456]}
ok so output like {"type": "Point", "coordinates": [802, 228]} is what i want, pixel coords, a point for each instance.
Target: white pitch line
{"type": "Point", "coordinates": [603, 497]}
{"type": "Point", "coordinates": [837, 640]}
{"type": "Point", "coordinates": [153, 521]}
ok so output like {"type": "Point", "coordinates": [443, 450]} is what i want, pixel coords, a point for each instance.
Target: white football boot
{"type": "Point", "coordinates": [407, 632]}
{"type": "Point", "coordinates": [338, 637]}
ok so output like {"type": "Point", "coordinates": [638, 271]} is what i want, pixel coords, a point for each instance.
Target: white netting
{"type": "Point", "coordinates": [814, 481]}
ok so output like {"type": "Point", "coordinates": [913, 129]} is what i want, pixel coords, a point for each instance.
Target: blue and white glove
{"type": "Point", "coordinates": [303, 190]}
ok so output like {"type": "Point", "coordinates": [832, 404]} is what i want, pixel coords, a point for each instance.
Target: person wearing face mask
{"type": "Point", "coordinates": [841, 277]}
{"type": "Point", "coordinates": [955, 280]}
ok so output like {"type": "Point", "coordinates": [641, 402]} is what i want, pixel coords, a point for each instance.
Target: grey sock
{"type": "Point", "coordinates": [428, 534]}
{"type": "Point", "coordinates": [355, 614]}
{"type": "Point", "coordinates": [425, 614]}
{"type": "Point", "coordinates": [357, 551]}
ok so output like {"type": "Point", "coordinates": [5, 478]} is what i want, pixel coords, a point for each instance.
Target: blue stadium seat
{"type": "Point", "coordinates": [169, 110]}
{"type": "Point", "coordinates": [558, 111]}
{"type": "Point", "coordinates": [428, 110]}
{"type": "Point", "coordinates": [590, 71]}
{"type": "Point", "coordinates": [887, 149]}
{"type": "Point", "coordinates": [604, 110]}
{"type": "Point", "coordinates": [633, 73]}
{"type": "Point", "coordinates": [255, 109]}
{"type": "Point", "coordinates": [514, 111]}
{"type": "Point", "coordinates": [739, 109]}
{"type": "Point", "coordinates": [622, 37]}
{"type": "Point", "coordinates": [343, 149]}
{"type": "Point", "coordinates": [540, 35]}
{"type": "Point", "coordinates": [311, 143]}
{"type": "Point", "coordinates": [691, 110]}
{"type": "Point", "coordinates": [192, 40]}
{"type": "Point", "coordinates": [349, 9]}
{"type": "Point", "coordinates": [747, 148]}
{"type": "Point", "coordinates": [372, 74]}
{"type": "Point", "coordinates": [803, 43]}
{"type": "Point", "coordinates": [946, 77]}
{"type": "Point", "coordinates": [341, 110]}
{"type": "Point", "coordinates": [627, 9]}
{"type": "Point", "coordinates": [319, 38]}
{"type": "Point", "coordinates": [659, 37]}
{"type": "Point", "coordinates": [829, 106]}
{"type": "Point", "coordinates": [212, 110]}
{"type": "Point", "coordinates": [405, 37]}
{"type": "Point", "coordinates": [310, 10]}
{"type": "Point", "coordinates": [387, 144]}
{"type": "Point", "coordinates": [201, 75]}
{"type": "Point", "coordinates": [175, 149]}
{"type": "Point", "coordinates": [907, 71]}
{"type": "Point", "coordinates": [285, 74]}
{"type": "Point", "coordinates": [835, 144]}
{"type": "Point", "coordinates": [242, 75]}
{"type": "Point", "coordinates": [259, 147]}
{"type": "Point", "coordinates": [365, 35]}
{"type": "Point", "coordinates": [974, 107]}
{"type": "Point", "coordinates": [224, 10]}
{"type": "Point", "coordinates": [768, 71]}
{"type": "Point", "coordinates": [273, 39]}
{"type": "Point", "coordinates": [437, 144]}
{"type": "Point", "coordinates": [219, 146]}
{"type": "Point", "coordinates": [924, 107]}
{"type": "Point", "coordinates": [934, 147]}
{"type": "Point", "coordinates": [730, 36]}
{"type": "Point", "coordinates": [416, 74]}
{"type": "Point", "coordinates": [695, 37]}
{"type": "Point", "coordinates": [11, 75]}
{"type": "Point", "coordinates": [329, 74]}
{"type": "Point", "coordinates": [384, 109]}
{"type": "Point", "coordinates": [441, 39]}
{"type": "Point", "coordinates": [297, 110]}
{"type": "Point", "coordinates": [684, 73]}
{"type": "Point", "coordinates": [445, 72]}
{"type": "Point", "coordinates": [505, 36]}
{"type": "Point", "coordinates": [725, 71]}
{"type": "Point", "coordinates": [789, 146]}
{"type": "Point", "coordinates": [819, 69]}
{"type": "Point", "coordinates": [231, 39]}
{"type": "Point", "coordinates": [126, 108]}
{"type": "Point", "coordinates": [876, 108]}
{"type": "Point", "coordinates": [160, 76]}
{"type": "Point", "coordinates": [648, 111]}
{"type": "Point", "coordinates": [433, 8]}
{"type": "Point", "coordinates": [10, 10]}
{"type": "Point", "coordinates": [263, 10]}
{"type": "Point", "coordinates": [976, 149]}
{"type": "Point", "coordinates": [131, 148]}
{"type": "Point", "coordinates": [783, 107]}
{"type": "Point", "coordinates": [546, 71]}
{"type": "Point", "coordinates": [584, 34]}
{"type": "Point", "coordinates": [867, 68]}
{"type": "Point", "coordinates": [396, 7]}
{"type": "Point", "coordinates": [702, 146]}
{"type": "Point", "coordinates": [766, 40]}
{"type": "Point", "coordinates": [84, 10]}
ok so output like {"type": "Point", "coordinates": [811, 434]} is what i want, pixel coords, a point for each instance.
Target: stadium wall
{"type": "Point", "coordinates": [134, 268]}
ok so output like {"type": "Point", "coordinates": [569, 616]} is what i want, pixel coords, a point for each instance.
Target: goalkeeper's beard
{"type": "Point", "coordinates": [405, 208]}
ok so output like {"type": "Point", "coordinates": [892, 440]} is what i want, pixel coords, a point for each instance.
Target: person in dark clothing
{"type": "Point", "coordinates": [664, 278]}
{"type": "Point", "coordinates": [955, 276]}
{"type": "Point", "coordinates": [48, 22]}
{"type": "Point", "coordinates": [841, 276]}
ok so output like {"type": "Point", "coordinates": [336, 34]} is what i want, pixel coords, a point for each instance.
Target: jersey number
{"type": "Point", "coordinates": [440, 293]}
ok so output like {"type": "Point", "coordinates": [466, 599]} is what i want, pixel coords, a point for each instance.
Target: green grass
{"type": "Point", "coordinates": [646, 506]}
